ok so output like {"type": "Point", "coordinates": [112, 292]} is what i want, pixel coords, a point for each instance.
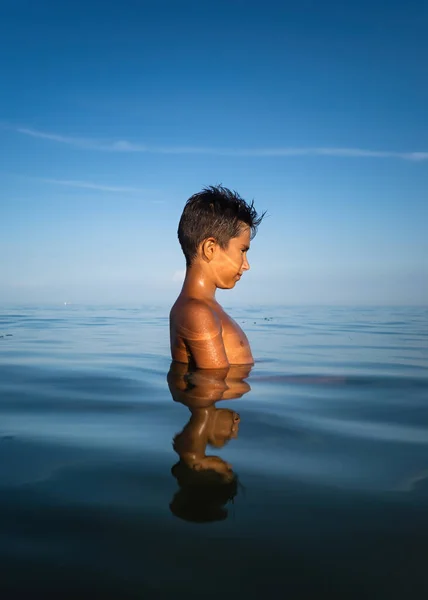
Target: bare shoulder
{"type": "Point", "coordinates": [193, 314]}
{"type": "Point", "coordinates": [196, 334]}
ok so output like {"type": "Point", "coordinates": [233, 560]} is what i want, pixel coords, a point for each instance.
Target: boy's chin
{"type": "Point", "coordinates": [226, 286]}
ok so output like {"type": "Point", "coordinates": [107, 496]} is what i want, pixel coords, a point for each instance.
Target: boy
{"type": "Point", "coordinates": [215, 230]}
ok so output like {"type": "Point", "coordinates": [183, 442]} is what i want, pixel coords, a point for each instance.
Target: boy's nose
{"type": "Point", "coordinates": [245, 265]}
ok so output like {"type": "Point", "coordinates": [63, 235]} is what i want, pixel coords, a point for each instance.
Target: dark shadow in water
{"type": "Point", "coordinates": [207, 483]}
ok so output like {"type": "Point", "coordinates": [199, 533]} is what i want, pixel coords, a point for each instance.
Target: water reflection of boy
{"type": "Point", "coordinates": [206, 483]}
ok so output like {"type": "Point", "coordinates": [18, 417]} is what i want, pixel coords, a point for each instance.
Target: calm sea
{"type": "Point", "coordinates": [331, 459]}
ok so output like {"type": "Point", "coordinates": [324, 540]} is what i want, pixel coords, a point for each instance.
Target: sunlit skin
{"type": "Point", "coordinates": [201, 332]}
{"type": "Point", "coordinates": [199, 391]}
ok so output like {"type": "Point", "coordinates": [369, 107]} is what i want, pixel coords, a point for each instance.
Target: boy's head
{"type": "Point", "coordinates": [216, 213]}
{"type": "Point", "coordinates": [203, 495]}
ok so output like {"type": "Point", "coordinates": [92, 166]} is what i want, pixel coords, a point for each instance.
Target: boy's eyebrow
{"type": "Point", "coordinates": [246, 248]}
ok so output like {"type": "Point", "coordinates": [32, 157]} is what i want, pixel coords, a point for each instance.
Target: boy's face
{"type": "Point", "coordinates": [229, 264]}
{"type": "Point", "coordinates": [223, 426]}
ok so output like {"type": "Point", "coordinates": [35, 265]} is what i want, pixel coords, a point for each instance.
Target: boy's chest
{"type": "Point", "coordinates": [235, 341]}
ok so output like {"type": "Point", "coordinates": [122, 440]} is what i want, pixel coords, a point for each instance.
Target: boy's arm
{"type": "Point", "coordinates": [200, 329]}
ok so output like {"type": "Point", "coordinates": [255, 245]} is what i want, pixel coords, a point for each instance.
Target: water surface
{"type": "Point", "coordinates": [331, 458]}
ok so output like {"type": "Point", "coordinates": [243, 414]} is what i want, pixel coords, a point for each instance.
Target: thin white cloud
{"type": "Point", "coordinates": [95, 186]}
{"type": "Point", "coordinates": [125, 146]}
{"type": "Point", "coordinates": [52, 136]}
{"type": "Point", "coordinates": [90, 144]}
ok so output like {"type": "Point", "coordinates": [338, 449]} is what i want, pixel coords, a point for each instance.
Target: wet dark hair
{"type": "Point", "coordinates": [215, 212]}
{"type": "Point", "coordinates": [203, 495]}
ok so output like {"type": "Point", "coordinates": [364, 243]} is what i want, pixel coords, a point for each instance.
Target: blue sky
{"type": "Point", "coordinates": [113, 113]}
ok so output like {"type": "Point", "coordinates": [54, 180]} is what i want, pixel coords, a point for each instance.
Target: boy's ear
{"type": "Point", "coordinates": [208, 248]}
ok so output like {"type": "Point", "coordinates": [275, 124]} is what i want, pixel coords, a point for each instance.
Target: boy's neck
{"type": "Point", "coordinates": [198, 283]}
